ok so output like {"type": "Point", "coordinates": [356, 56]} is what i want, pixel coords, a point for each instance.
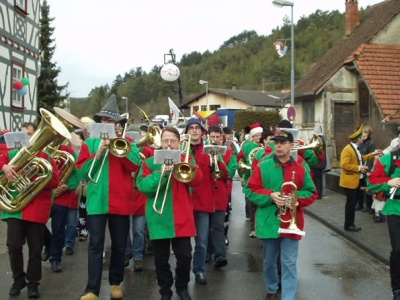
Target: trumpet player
{"type": "Point", "coordinates": [109, 201]}
{"type": "Point", "coordinates": [264, 188]}
{"type": "Point", "coordinates": [216, 241]}
{"type": "Point", "coordinates": [203, 199]}
{"type": "Point", "coordinates": [174, 224]}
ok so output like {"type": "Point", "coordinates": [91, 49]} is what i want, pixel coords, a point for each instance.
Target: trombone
{"type": "Point", "coordinates": [183, 172]}
{"type": "Point", "coordinates": [119, 147]}
{"type": "Point", "coordinates": [161, 210]}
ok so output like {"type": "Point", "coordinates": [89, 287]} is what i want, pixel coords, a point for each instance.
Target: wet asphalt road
{"type": "Point", "coordinates": [329, 267]}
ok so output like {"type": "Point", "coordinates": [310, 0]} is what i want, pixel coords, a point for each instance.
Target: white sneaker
{"type": "Point", "coordinates": [252, 234]}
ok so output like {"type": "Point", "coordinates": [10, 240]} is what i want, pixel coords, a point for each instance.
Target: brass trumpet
{"type": "Point", "coordinates": [290, 204]}
{"type": "Point", "coordinates": [119, 147]}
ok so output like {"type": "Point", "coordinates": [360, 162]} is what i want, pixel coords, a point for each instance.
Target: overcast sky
{"type": "Point", "coordinates": [96, 40]}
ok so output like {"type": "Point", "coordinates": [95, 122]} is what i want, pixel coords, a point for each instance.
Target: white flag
{"type": "Point", "coordinates": [174, 112]}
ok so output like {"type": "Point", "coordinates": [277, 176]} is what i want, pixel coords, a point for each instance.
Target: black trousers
{"type": "Point", "coordinates": [19, 232]}
{"type": "Point", "coordinates": [352, 198]}
{"type": "Point", "coordinates": [393, 222]}
{"type": "Point", "coordinates": [183, 252]}
{"type": "Point", "coordinates": [317, 178]}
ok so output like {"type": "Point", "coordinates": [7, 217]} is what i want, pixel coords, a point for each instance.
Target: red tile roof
{"type": "Point", "coordinates": [374, 20]}
{"type": "Point", "coordinates": [380, 66]}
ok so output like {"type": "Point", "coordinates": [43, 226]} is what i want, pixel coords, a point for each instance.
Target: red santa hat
{"type": "Point", "coordinates": [255, 128]}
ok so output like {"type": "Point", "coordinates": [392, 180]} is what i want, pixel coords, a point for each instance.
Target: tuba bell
{"type": "Point", "coordinates": [65, 161]}
{"type": "Point", "coordinates": [34, 173]}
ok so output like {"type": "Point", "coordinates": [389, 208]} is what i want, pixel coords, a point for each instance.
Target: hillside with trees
{"type": "Point", "coordinates": [246, 61]}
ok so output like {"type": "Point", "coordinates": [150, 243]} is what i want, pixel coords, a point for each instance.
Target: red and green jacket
{"type": "Point", "coordinates": [177, 219]}
{"type": "Point", "coordinates": [268, 177]}
{"type": "Point", "coordinates": [114, 192]}
{"type": "Point", "coordinates": [38, 210]}
{"type": "Point", "coordinates": [378, 182]}
{"type": "Point", "coordinates": [70, 197]}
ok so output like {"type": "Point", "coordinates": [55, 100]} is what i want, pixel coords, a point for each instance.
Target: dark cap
{"type": "Point", "coordinates": [283, 136]}
{"type": "Point", "coordinates": [285, 124]}
{"type": "Point", "coordinates": [193, 121]}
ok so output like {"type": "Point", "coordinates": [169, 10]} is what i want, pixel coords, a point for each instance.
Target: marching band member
{"type": "Point", "coordinates": [65, 199]}
{"type": "Point", "coordinates": [110, 201]}
{"type": "Point", "coordinates": [203, 199]}
{"type": "Point", "coordinates": [255, 132]}
{"type": "Point", "coordinates": [264, 189]}
{"type": "Point", "coordinates": [28, 226]}
{"type": "Point", "coordinates": [216, 241]}
{"type": "Point", "coordinates": [175, 225]}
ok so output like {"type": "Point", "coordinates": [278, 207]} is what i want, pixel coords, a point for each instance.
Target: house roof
{"type": "Point", "coordinates": [380, 66]}
{"type": "Point", "coordinates": [253, 98]}
{"type": "Point", "coordinates": [373, 21]}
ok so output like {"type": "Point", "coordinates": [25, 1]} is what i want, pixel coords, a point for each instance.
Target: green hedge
{"type": "Point", "coordinates": [245, 118]}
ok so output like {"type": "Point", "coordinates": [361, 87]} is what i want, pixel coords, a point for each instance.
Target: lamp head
{"type": "Point", "coordinates": [282, 3]}
{"type": "Point", "coordinates": [203, 82]}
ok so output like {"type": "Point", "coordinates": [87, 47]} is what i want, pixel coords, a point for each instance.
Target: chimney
{"type": "Point", "coordinates": [352, 15]}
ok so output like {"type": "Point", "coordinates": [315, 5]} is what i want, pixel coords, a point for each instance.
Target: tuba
{"type": "Point", "coordinates": [34, 173]}
{"type": "Point", "coordinates": [253, 153]}
{"type": "Point", "coordinates": [290, 204]}
{"type": "Point", "coordinates": [153, 136]}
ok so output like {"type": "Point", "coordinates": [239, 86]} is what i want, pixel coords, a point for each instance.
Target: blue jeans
{"type": "Point", "coordinates": [217, 235]}
{"type": "Point", "coordinates": [289, 250]}
{"type": "Point", "coordinates": [118, 227]}
{"type": "Point", "coordinates": [138, 231]}
{"type": "Point", "coordinates": [202, 220]}
{"type": "Point", "coordinates": [58, 216]}
{"type": "Point", "coordinates": [72, 223]}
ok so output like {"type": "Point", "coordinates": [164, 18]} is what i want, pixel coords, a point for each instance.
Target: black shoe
{"type": "Point", "coordinates": [56, 266]}
{"type": "Point", "coordinates": [208, 257]}
{"type": "Point", "coordinates": [220, 262]}
{"type": "Point", "coordinates": [352, 228]}
{"type": "Point", "coordinates": [69, 251]}
{"type": "Point", "coordinates": [200, 278]}
{"type": "Point", "coordinates": [33, 291]}
{"type": "Point", "coordinates": [396, 295]}
{"type": "Point", "coordinates": [359, 207]}
{"type": "Point", "coordinates": [366, 209]}
{"type": "Point", "coordinates": [166, 297]}
{"type": "Point", "coordinates": [183, 294]}
{"type": "Point", "coordinates": [127, 258]}
{"type": "Point", "coordinates": [45, 254]}
{"type": "Point", "coordinates": [16, 288]}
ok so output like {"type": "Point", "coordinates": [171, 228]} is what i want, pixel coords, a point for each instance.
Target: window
{"type": "Point", "coordinates": [203, 107]}
{"type": "Point", "coordinates": [21, 4]}
{"type": "Point", "coordinates": [215, 107]}
{"type": "Point", "coordinates": [195, 108]}
{"type": "Point", "coordinates": [308, 113]}
{"type": "Point", "coordinates": [17, 99]}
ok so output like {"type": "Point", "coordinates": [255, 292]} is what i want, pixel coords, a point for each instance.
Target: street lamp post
{"type": "Point", "coordinates": [206, 83]}
{"type": "Point", "coordinates": [282, 3]}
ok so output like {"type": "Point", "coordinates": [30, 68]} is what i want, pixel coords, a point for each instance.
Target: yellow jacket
{"type": "Point", "coordinates": [350, 175]}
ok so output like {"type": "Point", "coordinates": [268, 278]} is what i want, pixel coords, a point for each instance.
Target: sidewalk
{"type": "Point", "coordinates": [373, 238]}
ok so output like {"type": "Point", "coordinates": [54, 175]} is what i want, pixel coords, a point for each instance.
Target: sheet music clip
{"type": "Point", "coordinates": [102, 130]}
{"type": "Point", "coordinates": [167, 157]}
{"type": "Point", "coordinates": [214, 149]}
{"type": "Point", "coordinates": [17, 139]}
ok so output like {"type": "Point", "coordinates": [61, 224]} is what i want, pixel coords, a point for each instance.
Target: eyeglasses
{"type": "Point", "coordinates": [194, 128]}
{"type": "Point", "coordinates": [166, 141]}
